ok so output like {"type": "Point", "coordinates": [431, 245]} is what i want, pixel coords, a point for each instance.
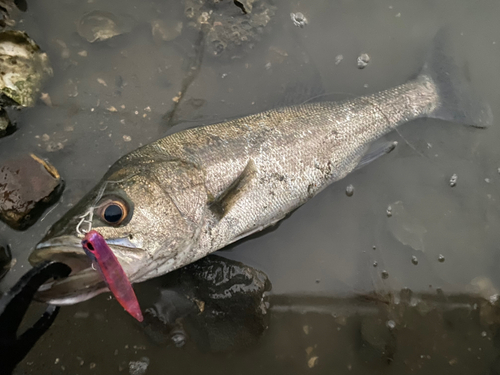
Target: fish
{"type": "Point", "coordinates": [104, 260]}
{"type": "Point", "coordinates": [184, 196]}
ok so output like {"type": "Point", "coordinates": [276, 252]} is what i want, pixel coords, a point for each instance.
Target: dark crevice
{"type": "Point", "coordinates": [241, 6]}
{"type": "Point", "coordinates": [192, 73]}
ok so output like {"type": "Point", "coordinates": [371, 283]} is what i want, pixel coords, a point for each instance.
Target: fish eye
{"type": "Point", "coordinates": [113, 211]}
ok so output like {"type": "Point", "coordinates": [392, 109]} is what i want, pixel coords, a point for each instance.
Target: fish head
{"type": "Point", "coordinates": [142, 219]}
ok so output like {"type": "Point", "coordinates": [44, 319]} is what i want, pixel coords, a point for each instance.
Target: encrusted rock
{"type": "Point", "coordinates": [218, 303]}
{"type": "Point", "coordinates": [229, 24]}
{"type": "Point", "coordinates": [9, 9]}
{"type": "Point", "coordinates": [28, 185]}
{"type": "Point", "coordinates": [23, 69]}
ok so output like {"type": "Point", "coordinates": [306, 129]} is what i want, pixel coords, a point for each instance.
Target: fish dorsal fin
{"type": "Point", "coordinates": [223, 203]}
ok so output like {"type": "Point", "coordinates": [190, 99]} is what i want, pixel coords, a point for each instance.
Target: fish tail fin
{"type": "Point", "coordinates": [458, 101]}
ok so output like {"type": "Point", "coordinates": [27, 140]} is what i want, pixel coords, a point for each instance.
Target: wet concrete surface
{"type": "Point", "coordinates": [107, 98]}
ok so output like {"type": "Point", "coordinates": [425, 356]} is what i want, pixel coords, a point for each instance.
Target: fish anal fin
{"type": "Point", "coordinates": [223, 203]}
{"type": "Point", "coordinates": [374, 154]}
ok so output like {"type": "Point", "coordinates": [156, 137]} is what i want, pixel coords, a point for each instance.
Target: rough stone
{"type": "Point", "coordinates": [28, 185]}
{"type": "Point", "coordinates": [6, 126]}
{"type": "Point", "coordinates": [217, 303]}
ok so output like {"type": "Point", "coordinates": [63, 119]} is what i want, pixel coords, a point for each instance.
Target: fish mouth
{"type": "Point", "coordinates": [82, 283]}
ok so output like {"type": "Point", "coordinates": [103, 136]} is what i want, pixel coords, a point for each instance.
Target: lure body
{"type": "Point", "coordinates": [106, 262]}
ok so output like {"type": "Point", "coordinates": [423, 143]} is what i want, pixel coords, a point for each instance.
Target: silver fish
{"type": "Point", "coordinates": [182, 197]}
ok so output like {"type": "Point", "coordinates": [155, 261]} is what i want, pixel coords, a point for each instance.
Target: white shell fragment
{"type": "Point", "coordinates": [363, 60]}
{"type": "Point", "coordinates": [298, 19]}
{"type": "Point", "coordinates": [98, 25]}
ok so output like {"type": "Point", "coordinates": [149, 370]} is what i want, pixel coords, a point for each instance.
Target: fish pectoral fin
{"type": "Point", "coordinates": [222, 204]}
{"type": "Point", "coordinates": [377, 152]}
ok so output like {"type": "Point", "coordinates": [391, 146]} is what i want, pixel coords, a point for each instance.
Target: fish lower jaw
{"type": "Point", "coordinates": [77, 287]}
{"type": "Point", "coordinates": [65, 301]}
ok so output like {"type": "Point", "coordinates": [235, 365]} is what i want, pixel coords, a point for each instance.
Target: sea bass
{"type": "Point", "coordinates": [182, 197]}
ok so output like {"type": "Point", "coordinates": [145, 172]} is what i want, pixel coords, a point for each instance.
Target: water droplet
{"type": "Point", "coordinates": [349, 190]}
{"type": "Point", "coordinates": [453, 180]}
{"type": "Point", "coordinates": [374, 247]}
{"type": "Point", "coordinates": [414, 260]}
{"type": "Point", "coordinates": [298, 19]}
{"type": "Point", "coordinates": [391, 324]}
{"type": "Point", "coordinates": [441, 258]}
{"type": "Point", "coordinates": [363, 60]}
{"type": "Point", "coordinates": [375, 264]}
{"type": "Point", "coordinates": [385, 274]}
{"type": "Point", "coordinates": [389, 211]}
{"type": "Point", "coordinates": [483, 334]}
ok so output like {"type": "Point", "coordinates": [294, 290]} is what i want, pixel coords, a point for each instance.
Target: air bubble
{"type": "Point", "coordinates": [453, 180]}
{"type": "Point", "coordinates": [391, 324]}
{"type": "Point", "coordinates": [375, 264]}
{"type": "Point", "coordinates": [389, 211]}
{"type": "Point", "coordinates": [441, 258]}
{"type": "Point", "coordinates": [349, 190]}
{"type": "Point", "coordinates": [414, 260]}
{"type": "Point", "coordinates": [363, 60]}
{"type": "Point", "coordinates": [385, 274]}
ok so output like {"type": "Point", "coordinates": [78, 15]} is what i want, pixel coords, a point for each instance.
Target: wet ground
{"type": "Point", "coordinates": [330, 308]}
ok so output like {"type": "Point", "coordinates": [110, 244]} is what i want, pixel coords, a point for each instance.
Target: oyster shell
{"type": "Point", "coordinates": [23, 69]}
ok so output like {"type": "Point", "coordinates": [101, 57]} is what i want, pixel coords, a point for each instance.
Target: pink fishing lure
{"type": "Point", "coordinates": [105, 261]}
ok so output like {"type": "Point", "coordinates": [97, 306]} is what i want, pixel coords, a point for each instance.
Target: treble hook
{"type": "Point", "coordinates": [90, 214]}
